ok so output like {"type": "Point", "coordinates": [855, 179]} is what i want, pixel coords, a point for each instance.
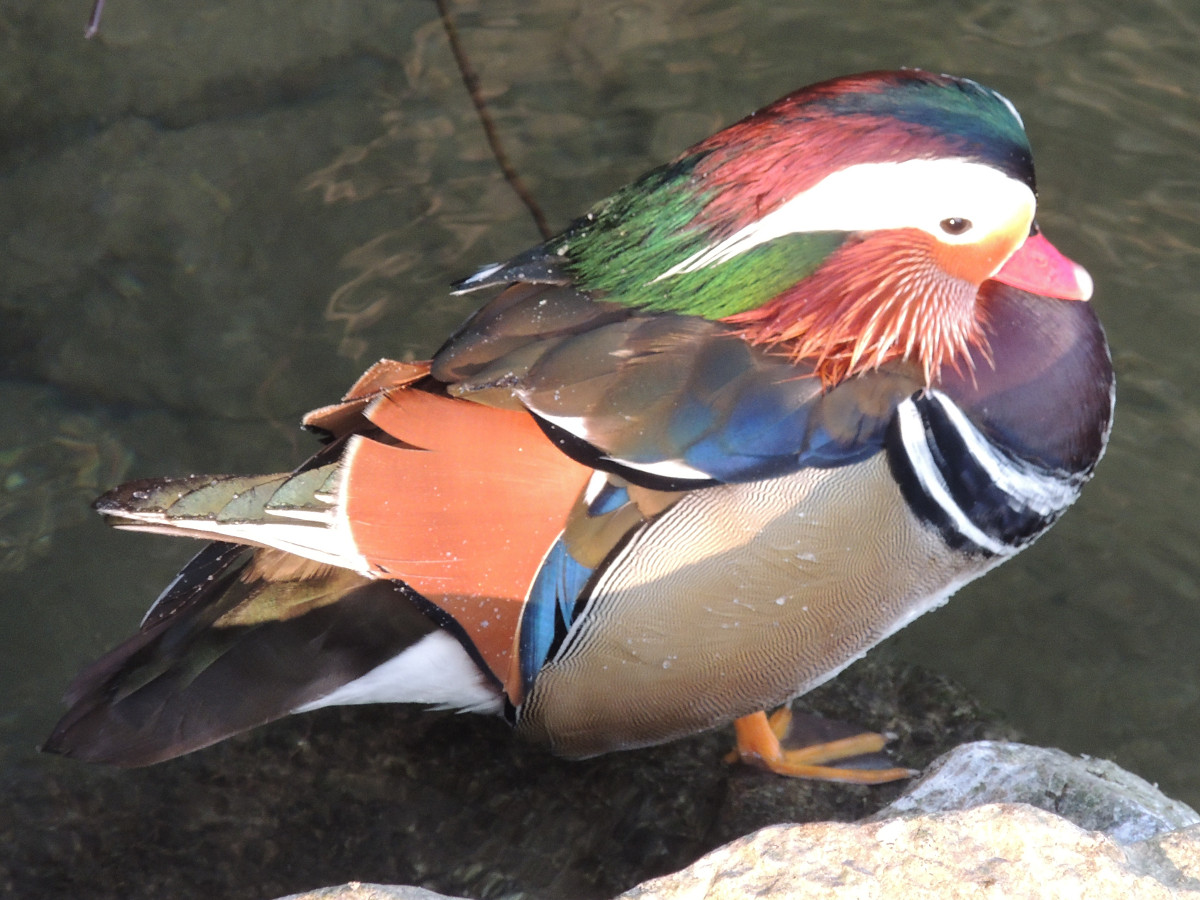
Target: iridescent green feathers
{"type": "Point", "coordinates": [623, 248]}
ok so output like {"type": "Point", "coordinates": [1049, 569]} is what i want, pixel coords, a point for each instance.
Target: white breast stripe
{"type": "Point", "coordinates": [1044, 494]}
{"type": "Point", "coordinates": [912, 434]}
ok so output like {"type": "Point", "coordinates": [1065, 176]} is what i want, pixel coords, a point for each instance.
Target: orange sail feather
{"type": "Point", "coordinates": [464, 511]}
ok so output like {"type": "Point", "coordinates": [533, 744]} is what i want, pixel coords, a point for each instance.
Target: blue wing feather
{"type": "Point", "coordinates": [646, 394]}
{"type": "Point", "coordinates": [550, 610]}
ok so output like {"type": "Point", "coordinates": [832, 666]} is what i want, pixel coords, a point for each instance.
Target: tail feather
{"type": "Point", "coordinates": [230, 648]}
{"type": "Point", "coordinates": [194, 500]}
{"type": "Point", "coordinates": [422, 514]}
{"type": "Point", "coordinates": [296, 513]}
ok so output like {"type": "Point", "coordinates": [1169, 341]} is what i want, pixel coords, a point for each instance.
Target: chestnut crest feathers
{"type": "Point", "coordinates": [761, 223]}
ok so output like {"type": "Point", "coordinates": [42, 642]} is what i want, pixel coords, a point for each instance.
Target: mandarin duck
{"type": "Point", "coordinates": [741, 421]}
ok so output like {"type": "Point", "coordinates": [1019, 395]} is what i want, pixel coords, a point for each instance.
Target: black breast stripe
{"type": "Point", "coordinates": [980, 498]}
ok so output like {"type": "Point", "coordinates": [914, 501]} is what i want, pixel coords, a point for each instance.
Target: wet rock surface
{"type": "Point", "coordinates": [447, 802]}
{"type": "Point", "coordinates": [987, 819]}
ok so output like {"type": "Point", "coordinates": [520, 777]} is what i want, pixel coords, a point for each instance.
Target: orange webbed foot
{"type": "Point", "coordinates": [759, 744]}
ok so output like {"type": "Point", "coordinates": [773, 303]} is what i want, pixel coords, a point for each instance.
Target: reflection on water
{"type": "Point", "coordinates": [214, 216]}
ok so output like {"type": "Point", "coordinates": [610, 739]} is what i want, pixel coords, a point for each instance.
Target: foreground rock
{"type": "Point", "coordinates": [997, 850]}
{"type": "Point", "coordinates": [989, 819]}
{"type": "Point", "coordinates": [1094, 794]}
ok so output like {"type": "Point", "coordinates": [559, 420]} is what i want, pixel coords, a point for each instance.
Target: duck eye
{"type": "Point", "coordinates": [955, 225]}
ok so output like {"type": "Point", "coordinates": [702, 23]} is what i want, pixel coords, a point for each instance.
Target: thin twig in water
{"type": "Point", "coordinates": [471, 80]}
{"type": "Point", "coordinates": [93, 25]}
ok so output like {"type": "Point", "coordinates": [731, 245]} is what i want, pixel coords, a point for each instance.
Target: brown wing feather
{"type": "Point", "coordinates": [387, 374]}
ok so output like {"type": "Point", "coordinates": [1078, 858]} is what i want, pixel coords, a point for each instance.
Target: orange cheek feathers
{"type": "Point", "coordinates": [976, 262]}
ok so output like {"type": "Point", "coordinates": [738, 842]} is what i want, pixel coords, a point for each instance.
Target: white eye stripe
{"type": "Point", "coordinates": [915, 193]}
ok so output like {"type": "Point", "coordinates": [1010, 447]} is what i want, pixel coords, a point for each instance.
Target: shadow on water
{"type": "Point", "coordinates": [214, 216]}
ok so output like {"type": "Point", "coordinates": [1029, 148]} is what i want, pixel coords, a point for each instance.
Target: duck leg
{"type": "Point", "coordinates": [759, 744]}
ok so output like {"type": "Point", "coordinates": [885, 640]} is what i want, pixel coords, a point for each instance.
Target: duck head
{"type": "Point", "coordinates": [848, 224]}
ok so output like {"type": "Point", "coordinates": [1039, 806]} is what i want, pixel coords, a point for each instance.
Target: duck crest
{"type": "Point", "coordinates": [755, 165]}
{"type": "Point", "coordinates": [762, 224]}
